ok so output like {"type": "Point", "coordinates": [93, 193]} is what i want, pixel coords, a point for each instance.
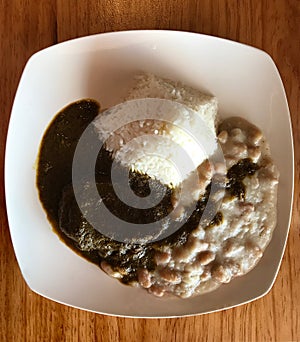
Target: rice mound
{"type": "Point", "coordinates": [166, 140]}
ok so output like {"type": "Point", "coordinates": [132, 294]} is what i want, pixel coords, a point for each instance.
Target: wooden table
{"type": "Point", "coordinates": [27, 26]}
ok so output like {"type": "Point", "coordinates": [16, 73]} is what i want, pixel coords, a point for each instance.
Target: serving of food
{"type": "Point", "coordinates": [225, 219]}
{"type": "Point", "coordinates": [149, 176]}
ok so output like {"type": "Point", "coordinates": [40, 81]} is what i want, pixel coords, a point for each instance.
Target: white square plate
{"type": "Point", "coordinates": [247, 84]}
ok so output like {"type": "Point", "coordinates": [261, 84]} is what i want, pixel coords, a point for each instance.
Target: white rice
{"type": "Point", "coordinates": [151, 86]}
{"type": "Point", "coordinates": [165, 139]}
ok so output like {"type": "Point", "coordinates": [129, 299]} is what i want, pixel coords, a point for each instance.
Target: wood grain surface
{"type": "Point", "coordinates": [27, 26]}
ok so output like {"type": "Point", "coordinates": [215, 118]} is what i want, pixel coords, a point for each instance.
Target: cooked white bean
{"type": "Point", "coordinates": [144, 278]}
